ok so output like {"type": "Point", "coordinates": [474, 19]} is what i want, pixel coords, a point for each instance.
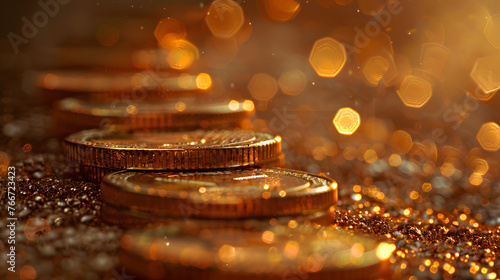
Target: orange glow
{"type": "Point", "coordinates": [224, 18]}
{"type": "Point", "coordinates": [186, 81]}
{"type": "Point", "coordinates": [50, 81]}
{"type": "Point", "coordinates": [4, 162]}
{"type": "Point", "coordinates": [395, 160]}
{"type": "Point", "coordinates": [291, 249]}
{"type": "Point", "coordinates": [36, 227]}
{"type": "Point", "coordinates": [415, 91]}
{"type": "Point", "coordinates": [168, 30]}
{"type": "Point", "coordinates": [203, 81]}
{"type": "Point", "coordinates": [370, 156]}
{"type": "Point", "coordinates": [268, 237]}
{"type": "Point", "coordinates": [182, 54]}
{"type": "Point", "coordinates": [433, 58]}
{"type": "Point", "coordinates": [234, 105]}
{"type": "Point", "coordinates": [327, 57]}
{"type": "Point", "coordinates": [28, 272]}
{"type": "Point", "coordinates": [489, 136]}
{"type": "Point", "coordinates": [262, 87]}
{"type": "Point", "coordinates": [292, 82]}
{"type": "Point", "coordinates": [384, 250]}
{"type": "Point", "coordinates": [374, 69]}
{"type": "Point", "coordinates": [401, 141]}
{"type": "Point", "coordinates": [486, 73]}
{"type": "Point", "coordinates": [281, 10]}
{"type": "Point", "coordinates": [346, 121]}
{"type": "Point", "coordinates": [492, 31]}
{"type": "Point", "coordinates": [227, 253]}
{"type": "Point", "coordinates": [248, 105]}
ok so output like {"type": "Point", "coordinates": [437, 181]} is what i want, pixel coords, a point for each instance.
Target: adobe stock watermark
{"type": "Point", "coordinates": [30, 28]}
{"type": "Point", "coordinates": [373, 28]}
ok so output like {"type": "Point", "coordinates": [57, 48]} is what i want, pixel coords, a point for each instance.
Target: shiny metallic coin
{"type": "Point", "coordinates": [157, 150]}
{"type": "Point", "coordinates": [220, 194]}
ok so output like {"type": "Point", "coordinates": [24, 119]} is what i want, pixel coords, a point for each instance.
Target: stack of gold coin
{"type": "Point", "coordinates": [237, 193]}
{"type": "Point", "coordinates": [191, 251]}
{"type": "Point", "coordinates": [102, 151]}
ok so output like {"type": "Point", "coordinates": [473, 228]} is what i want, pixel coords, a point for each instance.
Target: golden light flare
{"type": "Point", "coordinates": [292, 82]}
{"type": "Point", "coordinates": [401, 141]}
{"type": "Point", "coordinates": [415, 91]}
{"type": "Point", "coordinates": [182, 54]}
{"type": "Point", "coordinates": [186, 81]}
{"type": "Point", "coordinates": [486, 73]}
{"type": "Point", "coordinates": [280, 10]}
{"type": "Point", "coordinates": [203, 81]}
{"type": "Point", "coordinates": [488, 136]}
{"type": "Point", "coordinates": [262, 87]}
{"type": "Point", "coordinates": [233, 105]}
{"type": "Point", "coordinates": [224, 18]}
{"type": "Point", "coordinates": [291, 249]}
{"type": "Point", "coordinates": [227, 253]}
{"type": "Point", "coordinates": [492, 31]}
{"type": "Point", "coordinates": [374, 69]}
{"type": "Point", "coordinates": [433, 58]}
{"type": "Point", "coordinates": [168, 30]}
{"type": "Point", "coordinates": [384, 250]}
{"type": "Point", "coordinates": [346, 121]}
{"type": "Point", "coordinates": [328, 57]}
{"type": "Point", "coordinates": [248, 105]}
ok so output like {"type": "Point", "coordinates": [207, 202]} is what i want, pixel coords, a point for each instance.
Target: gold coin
{"type": "Point", "coordinates": [191, 251]}
{"type": "Point", "coordinates": [54, 85]}
{"type": "Point", "coordinates": [220, 194]}
{"type": "Point", "coordinates": [80, 113]}
{"type": "Point", "coordinates": [95, 174]}
{"type": "Point", "coordinates": [130, 218]}
{"type": "Point", "coordinates": [158, 150]}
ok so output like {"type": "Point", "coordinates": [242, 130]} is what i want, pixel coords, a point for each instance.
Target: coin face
{"type": "Point", "coordinates": [234, 193]}
{"type": "Point", "coordinates": [199, 149]}
{"type": "Point", "coordinates": [320, 253]}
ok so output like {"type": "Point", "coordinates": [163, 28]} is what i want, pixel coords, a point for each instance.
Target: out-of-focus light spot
{"type": "Point", "coordinates": [186, 81]}
{"type": "Point", "coordinates": [227, 253]}
{"type": "Point", "coordinates": [479, 166]}
{"type": "Point", "coordinates": [414, 195]}
{"type": "Point", "coordinates": [314, 263]}
{"type": "Point", "coordinates": [107, 35]}
{"type": "Point", "coordinates": [234, 105]}
{"type": "Point", "coordinates": [168, 30]}
{"type": "Point", "coordinates": [248, 105]}
{"type": "Point", "coordinates": [28, 272]}
{"type": "Point", "coordinates": [346, 121]}
{"type": "Point", "coordinates": [36, 227]}
{"type": "Point", "coordinates": [475, 179]}
{"type": "Point", "coordinates": [328, 57]}
{"type": "Point", "coordinates": [182, 54]}
{"type": "Point", "coordinates": [291, 249]}
{"type": "Point", "coordinates": [357, 197]}
{"type": "Point", "coordinates": [282, 193]}
{"type": "Point", "coordinates": [384, 250]}
{"type": "Point", "coordinates": [486, 73]}
{"type": "Point", "coordinates": [357, 250]}
{"type": "Point", "coordinates": [132, 110]}
{"type": "Point", "coordinates": [349, 153]}
{"type": "Point", "coordinates": [489, 136]}
{"type": "Point", "coordinates": [492, 31]}
{"type": "Point", "coordinates": [262, 87]}
{"type": "Point", "coordinates": [50, 81]}
{"type": "Point", "coordinates": [268, 237]}
{"type": "Point", "coordinates": [433, 58]}
{"type": "Point", "coordinates": [281, 10]}
{"type": "Point", "coordinates": [374, 69]}
{"type": "Point", "coordinates": [395, 160]}
{"type": "Point", "coordinates": [292, 224]}
{"type": "Point", "coordinates": [203, 81]}
{"type": "Point", "coordinates": [27, 148]}
{"type": "Point", "coordinates": [426, 187]}
{"type": "Point", "coordinates": [180, 106]}
{"type": "Point", "coordinates": [292, 82]}
{"type": "Point", "coordinates": [370, 156]}
{"type": "Point", "coordinates": [401, 141]}
{"type": "Point", "coordinates": [447, 169]}
{"type": "Point", "coordinates": [224, 18]}
{"type": "Point", "coordinates": [415, 91]}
